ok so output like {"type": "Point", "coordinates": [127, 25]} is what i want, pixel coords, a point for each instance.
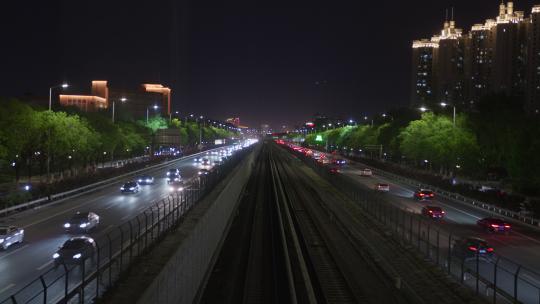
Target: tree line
{"type": "Point", "coordinates": [495, 140]}
{"type": "Point", "coordinates": [71, 140]}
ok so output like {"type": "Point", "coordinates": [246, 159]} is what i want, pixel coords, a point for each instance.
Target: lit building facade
{"type": "Point", "coordinates": [496, 56]}
{"type": "Point", "coordinates": [424, 73]}
{"type": "Point", "coordinates": [99, 98]}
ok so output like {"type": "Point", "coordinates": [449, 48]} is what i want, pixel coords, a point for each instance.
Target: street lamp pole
{"type": "Point", "coordinates": [64, 85]}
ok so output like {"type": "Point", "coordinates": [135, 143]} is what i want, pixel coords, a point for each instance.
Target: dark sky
{"type": "Point", "coordinates": [264, 61]}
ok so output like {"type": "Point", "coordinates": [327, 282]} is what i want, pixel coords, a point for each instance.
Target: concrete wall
{"type": "Point", "coordinates": [180, 279]}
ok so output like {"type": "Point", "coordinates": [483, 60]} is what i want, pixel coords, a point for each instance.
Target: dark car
{"type": "Point", "coordinates": [424, 194]}
{"type": "Point", "coordinates": [130, 187]}
{"type": "Point", "coordinates": [333, 170]}
{"type": "Point", "coordinates": [471, 247]}
{"type": "Point", "coordinates": [82, 222]}
{"type": "Point", "coordinates": [75, 251]}
{"type": "Point", "coordinates": [433, 212]}
{"type": "Point", "coordinates": [176, 186]}
{"type": "Point", "coordinates": [145, 180]}
{"type": "Point", "coordinates": [203, 172]}
{"type": "Point", "coordinates": [173, 175]}
{"type": "Point", "coordinates": [494, 225]}
{"type": "Point", "coordinates": [205, 162]}
{"type": "Point", "coordinates": [339, 161]}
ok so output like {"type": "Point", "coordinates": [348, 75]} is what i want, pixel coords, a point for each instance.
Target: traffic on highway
{"type": "Point", "coordinates": [503, 243]}
{"type": "Point", "coordinates": [66, 233]}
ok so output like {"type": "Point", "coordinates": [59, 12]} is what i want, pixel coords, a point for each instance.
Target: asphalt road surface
{"type": "Point", "coordinates": [44, 232]}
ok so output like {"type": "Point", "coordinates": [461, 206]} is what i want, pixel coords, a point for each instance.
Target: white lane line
{"type": "Point", "coordinates": [64, 211]}
{"type": "Point", "coordinates": [125, 217]}
{"type": "Point", "coordinates": [44, 265]}
{"type": "Point", "coordinates": [109, 207]}
{"type": "Point", "coordinates": [14, 251]}
{"type": "Point", "coordinates": [6, 288]}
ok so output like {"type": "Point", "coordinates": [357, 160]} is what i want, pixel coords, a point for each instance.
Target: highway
{"type": "Point", "coordinates": [44, 232]}
{"type": "Point", "coordinates": [521, 247]}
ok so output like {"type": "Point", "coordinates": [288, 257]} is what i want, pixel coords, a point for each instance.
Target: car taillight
{"type": "Point", "coordinates": [431, 194]}
{"type": "Point", "coordinates": [430, 211]}
{"type": "Point", "coordinates": [472, 248]}
{"type": "Point", "coordinates": [489, 249]}
{"type": "Point", "coordinates": [442, 212]}
{"type": "Point", "coordinates": [506, 226]}
{"type": "Point", "coordinates": [421, 194]}
{"type": "Point", "coordinates": [494, 225]}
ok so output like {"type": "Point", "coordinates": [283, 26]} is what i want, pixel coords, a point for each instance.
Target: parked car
{"type": "Point", "coordinates": [366, 172]}
{"type": "Point", "coordinates": [82, 221]}
{"type": "Point", "coordinates": [130, 187]}
{"type": "Point", "coordinates": [10, 235]}
{"type": "Point", "coordinates": [382, 187]}
{"type": "Point", "coordinates": [424, 194]}
{"type": "Point", "coordinates": [494, 225]}
{"type": "Point", "coordinates": [433, 212]}
{"type": "Point", "coordinates": [470, 247]}
{"type": "Point", "coordinates": [75, 251]}
{"type": "Point", "coordinates": [145, 180]}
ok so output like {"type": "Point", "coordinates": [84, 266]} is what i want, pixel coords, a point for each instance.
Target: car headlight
{"type": "Point", "coordinates": [56, 255]}
{"type": "Point", "coordinates": [132, 188]}
{"type": "Point", "coordinates": [77, 256]}
{"type": "Point", "coordinates": [148, 180]}
{"type": "Point", "coordinates": [181, 189]}
{"type": "Point", "coordinates": [140, 180]}
{"type": "Point", "coordinates": [168, 173]}
{"type": "Point", "coordinates": [200, 173]}
{"type": "Point", "coordinates": [1, 241]}
{"type": "Point", "coordinates": [122, 188]}
{"type": "Point", "coordinates": [67, 225]}
{"type": "Point", "coordinates": [171, 189]}
{"type": "Point", "coordinates": [83, 225]}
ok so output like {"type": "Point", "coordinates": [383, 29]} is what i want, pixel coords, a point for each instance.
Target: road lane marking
{"type": "Point", "coordinates": [110, 206]}
{"type": "Point", "coordinates": [6, 288]}
{"type": "Point", "coordinates": [14, 251]}
{"type": "Point", "coordinates": [44, 265]}
{"type": "Point", "coordinates": [125, 217]}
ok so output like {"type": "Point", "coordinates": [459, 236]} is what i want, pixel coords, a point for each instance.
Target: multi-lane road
{"type": "Point", "coordinates": [43, 227]}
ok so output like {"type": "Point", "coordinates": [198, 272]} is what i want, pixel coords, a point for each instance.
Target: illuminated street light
{"type": "Point", "coordinates": [123, 99]}
{"type": "Point", "coordinates": [155, 107]}
{"type": "Point", "coordinates": [63, 86]}
{"type": "Point", "coordinates": [444, 105]}
{"type": "Point", "coordinates": [423, 109]}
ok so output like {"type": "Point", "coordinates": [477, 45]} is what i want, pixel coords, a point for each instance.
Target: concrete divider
{"type": "Point", "coordinates": [204, 228]}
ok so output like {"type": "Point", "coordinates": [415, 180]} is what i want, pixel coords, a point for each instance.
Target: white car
{"type": "Point", "coordinates": [366, 172]}
{"type": "Point", "coordinates": [10, 235]}
{"type": "Point", "coordinates": [382, 187]}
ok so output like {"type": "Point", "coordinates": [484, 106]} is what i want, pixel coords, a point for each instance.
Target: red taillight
{"type": "Point", "coordinates": [494, 225]}
{"type": "Point", "coordinates": [430, 211]}
{"type": "Point", "coordinates": [421, 194]}
{"type": "Point", "coordinates": [442, 212]}
{"type": "Point", "coordinates": [489, 249]}
{"type": "Point", "coordinates": [506, 226]}
{"type": "Point", "coordinates": [472, 248]}
{"type": "Point", "coordinates": [431, 194]}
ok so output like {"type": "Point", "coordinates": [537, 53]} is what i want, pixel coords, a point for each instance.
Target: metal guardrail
{"type": "Point", "coordinates": [88, 188]}
{"type": "Point", "coordinates": [119, 248]}
{"type": "Point", "coordinates": [534, 222]}
{"type": "Point", "coordinates": [497, 278]}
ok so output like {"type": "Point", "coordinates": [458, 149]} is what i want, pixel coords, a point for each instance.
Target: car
{"type": "Point", "coordinates": [494, 225]}
{"type": "Point", "coordinates": [382, 187]}
{"type": "Point", "coordinates": [10, 235]}
{"type": "Point", "coordinates": [130, 187]}
{"type": "Point", "coordinates": [173, 175]}
{"type": "Point", "coordinates": [472, 247]}
{"type": "Point", "coordinates": [339, 161]}
{"type": "Point", "coordinates": [198, 159]}
{"type": "Point", "coordinates": [433, 212]}
{"type": "Point", "coordinates": [366, 172]}
{"type": "Point", "coordinates": [203, 172]}
{"type": "Point", "coordinates": [218, 162]}
{"type": "Point", "coordinates": [145, 180]}
{"type": "Point", "coordinates": [205, 162]}
{"type": "Point", "coordinates": [334, 170]}
{"type": "Point", "coordinates": [75, 251]}
{"type": "Point", "coordinates": [82, 221]}
{"type": "Point", "coordinates": [176, 186]}
{"type": "Point", "coordinates": [424, 194]}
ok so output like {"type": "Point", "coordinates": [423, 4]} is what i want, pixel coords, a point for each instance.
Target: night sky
{"type": "Point", "coordinates": [274, 62]}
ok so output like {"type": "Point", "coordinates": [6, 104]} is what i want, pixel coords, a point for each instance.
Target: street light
{"type": "Point", "coordinates": [423, 109]}
{"type": "Point", "coordinates": [123, 99]}
{"type": "Point", "coordinates": [444, 105]}
{"type": "Point", "coordinates": [147, 110]}
{"type": "Point", "coordinates": [63, 86]}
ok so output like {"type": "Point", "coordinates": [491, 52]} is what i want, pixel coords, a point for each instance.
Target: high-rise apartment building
{"type": "Point", "coordinates": [496, 56]}
{"type": "Point", "coordinates": [424, 74]}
